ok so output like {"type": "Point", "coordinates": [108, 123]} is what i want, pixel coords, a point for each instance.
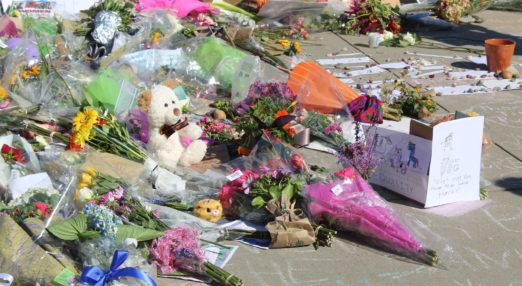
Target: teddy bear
{"type": "Point", "coordinates": [173, 139]}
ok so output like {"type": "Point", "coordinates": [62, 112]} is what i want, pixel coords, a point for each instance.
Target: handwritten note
{"type": "Point", "coordinates": [455, 162]}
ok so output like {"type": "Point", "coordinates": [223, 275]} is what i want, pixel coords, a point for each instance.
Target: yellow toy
{"type": "Point", "coordinates": [210, 210]}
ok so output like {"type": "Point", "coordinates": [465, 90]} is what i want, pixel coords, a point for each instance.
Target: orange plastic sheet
{"type": "Point", "coordinates": [319, 90]}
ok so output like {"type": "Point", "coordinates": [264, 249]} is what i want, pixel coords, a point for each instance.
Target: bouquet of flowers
{"type": "Point", "coordinates": [350, 204]}
{"type": "Point", "coordinates": [365, 16]}
{"type": "Point", "coordinates": [217, 131]}
{"type": "Point", "coordinates": [179, 249]}
{"type": "Point", "coordinates": [268, 106]}
{"type": "Point", "coordinates": [36, 203]}
{"type": "Point", "coordinates": [326, 128]}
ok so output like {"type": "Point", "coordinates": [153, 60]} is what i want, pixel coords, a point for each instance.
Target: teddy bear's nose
{"type": "Point", "coordinates": [177, 111]}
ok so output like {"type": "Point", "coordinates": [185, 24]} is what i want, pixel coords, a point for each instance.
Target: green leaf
{"type": "Point", "coordinates": [137, 232]}
{"type": "Point", "coordinates": [274, 191]}
{"type": "Point", "coordinates": [69, 229]}
{"type": "Point", "coordinates": [288, 191]}
{"type": "Point", "coordinates": [258, 202]}
{"type": "Point", "coordinates": [90, 234]}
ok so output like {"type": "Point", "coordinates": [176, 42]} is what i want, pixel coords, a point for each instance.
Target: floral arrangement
{"type": "Point", "coordinates": [102, 219]}
{"type": "Point", "coordinates": [325, 128]}
{"type": "Point", "coordinates": [399, 40]}
{"type": "Point", "coordinates": [36, 203]}
{"type": "Point", "coordinates": [350, 204]}
{"type": "Point", "coordinates": [217, 131]}
{"type": "Point", "coordinates": [365, 16]}
{"type": "Point", "coordinates": [360, 155]}
{"type": "Point", "coordinates": [12, 155]}
{"type": "Point", "coordinates": [267, 107]}
{"type": "Point", "coordinates": [453, 10]}
{"type": "Point", "coordinates": [412, 102]}
{"type": "Point", "coordinates": [101, 130]}
{"type": "Point", "coordinates": [179, 249]}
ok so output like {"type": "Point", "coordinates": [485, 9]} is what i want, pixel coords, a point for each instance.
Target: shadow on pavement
{"type": "Point", "coordinates": [469, 34]}
{"type": "Point", "coordinates": [511, 184]}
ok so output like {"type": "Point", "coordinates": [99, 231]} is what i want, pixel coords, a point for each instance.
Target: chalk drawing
{"type": "Point", "coordinates": [501, 222]}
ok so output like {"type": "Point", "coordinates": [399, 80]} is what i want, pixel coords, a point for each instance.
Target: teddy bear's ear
{"type": "Point", "coordinates": [144, 101]}
{"type": "Point", "coordinates": [170, 83]}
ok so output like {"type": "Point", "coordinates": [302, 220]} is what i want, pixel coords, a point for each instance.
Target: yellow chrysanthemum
{"type": "Point", "coordinates": [91, 171]}
{"type": "Point", "coordinates": [85, 179]}
{"type": "Point", "coordinates": [284, 43]}
{"type": "Point", "coordinates": [3, 93]}
{"type": "Point", "coordinates": [82, 125]}
{"type": "Point", "coordinates": [297, 47]}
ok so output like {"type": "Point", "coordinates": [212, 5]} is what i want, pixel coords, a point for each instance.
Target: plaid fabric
{"type": "Point", "coordinates": [367, 109]}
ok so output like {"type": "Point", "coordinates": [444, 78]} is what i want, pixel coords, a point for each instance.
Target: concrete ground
{"type": "Point", "coordinates": [480, 243]}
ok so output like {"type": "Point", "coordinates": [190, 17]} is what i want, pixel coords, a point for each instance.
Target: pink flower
{"type": "Point", "coordinates": [242, 183]}
{"type": "Point", "coordinates": [177, 249]}
{"type": "Point", "coordinates": [346, 173]}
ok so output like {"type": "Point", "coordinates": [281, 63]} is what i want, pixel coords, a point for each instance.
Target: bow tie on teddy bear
{"type": "Point", "coordinates": [169, 129]}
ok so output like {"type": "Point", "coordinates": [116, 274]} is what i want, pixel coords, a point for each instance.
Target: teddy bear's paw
{"type": "Point", "coordinates": [194, 153]}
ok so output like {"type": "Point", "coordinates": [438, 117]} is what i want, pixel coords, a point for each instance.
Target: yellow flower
{"type": "Point", "coordinates": [297, 47]}
{"type": "Point", "coordinates": [91, 171]}
{"type": "Point", "coordinates": [83, 123]}
{"type": "Point", "coordinates": [3, 93]}
{"type": "Point", "coordinates": [155, 38]}
{"type": "Point", "coordinates": [284, 43]}
{"type": "Point", "coordinates": [85, 179]}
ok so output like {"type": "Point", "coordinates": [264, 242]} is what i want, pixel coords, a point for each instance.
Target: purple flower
{"type": "Point", "coordinates": [334, 127]}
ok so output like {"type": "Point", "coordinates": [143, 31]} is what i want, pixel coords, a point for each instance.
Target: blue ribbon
{"type": "Point", "coordinates": [95, 276]}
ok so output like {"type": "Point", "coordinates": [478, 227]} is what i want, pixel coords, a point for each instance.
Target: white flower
{"type": "Point", "coordinates": [387, 35]}
{"type": "Point", "coordinates": [408, 38]}
{"type": "Point", "coordinates": [85, 194]}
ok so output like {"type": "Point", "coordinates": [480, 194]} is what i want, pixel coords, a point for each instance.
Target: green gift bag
{"type": "Point", "coordinates": [219, 59]}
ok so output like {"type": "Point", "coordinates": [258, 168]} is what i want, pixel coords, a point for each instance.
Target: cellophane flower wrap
{"type": "Point", "coordinates": [270, 160]}
{"type": "Point", "coordinates": [350, 204]}
{"type": "Point", "coordinates": [178, 249]}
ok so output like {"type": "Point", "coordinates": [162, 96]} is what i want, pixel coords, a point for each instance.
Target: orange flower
{"type": "Point", "coordinates": [73, 146]}
{"type": "Point", "coordinates": [281, 113]}
{"type": "Point", "coordinates": [291, 132]}
{"type": "Point", "coordinates": [244, 151]}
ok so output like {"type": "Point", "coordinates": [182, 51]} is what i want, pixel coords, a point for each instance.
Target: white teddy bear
{"type": "Point", "coordinates": [172, 138]}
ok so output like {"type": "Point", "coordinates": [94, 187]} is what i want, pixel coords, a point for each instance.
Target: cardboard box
{"type": "Point", "coordinates": [432, 165]}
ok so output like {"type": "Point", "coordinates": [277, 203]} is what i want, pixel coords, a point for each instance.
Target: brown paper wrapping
{"type": "Point", "coordinates": [26, 261]}
{"type": "Point", "coordinates": [290, 228]}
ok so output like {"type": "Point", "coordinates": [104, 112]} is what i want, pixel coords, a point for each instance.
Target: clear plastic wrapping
{"type": "Point", "coordinates": [350, 204]}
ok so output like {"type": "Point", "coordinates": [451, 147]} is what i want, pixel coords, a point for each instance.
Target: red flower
{"type": "Point", "coordinates": [72, 146]}
{"type": "Point", "coordinates": [297, 161]}
{"type": "Point", "coordinates": [44, 209]}
{"type": "Point", "coordinates": [11, 154]}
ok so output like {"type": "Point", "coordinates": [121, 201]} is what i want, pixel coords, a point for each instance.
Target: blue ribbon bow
{"type": "Point", "coordinates": [95, 276]}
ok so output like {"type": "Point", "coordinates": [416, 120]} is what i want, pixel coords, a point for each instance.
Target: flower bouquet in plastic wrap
{"type": "Point", "coordinates": [179, 249]}
{"type": "Point", "coordinates": [264, 188]}
{"type": "Point", "coordinates": [350, 204]}
{"type": "Point", "coordinates": [29, 253]}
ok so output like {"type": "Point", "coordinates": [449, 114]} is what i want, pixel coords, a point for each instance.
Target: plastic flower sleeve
{"type": "Point", "coordinates": [28, 252]}
{"type": "Point", "coordinates": [269, 157]}
{"type": "Point", "coordinates": [351, 205]}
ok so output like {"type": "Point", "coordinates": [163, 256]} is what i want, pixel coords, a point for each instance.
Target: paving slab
{"type": "Point", "coordinates": [502, 112]}
{"type": "Point", "coordinates": [467, 259]}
